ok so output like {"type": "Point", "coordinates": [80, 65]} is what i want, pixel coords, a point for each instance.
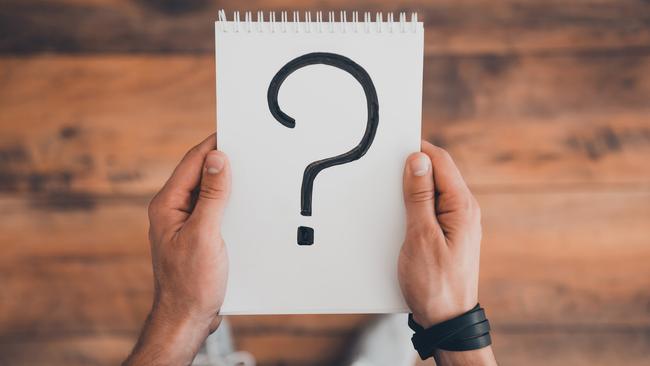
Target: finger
{"type": "Point", "coordinates": [214, 192]}
{"type": "Point", "coordinates": [456, 208]}
{"type": "Point", "coordinates": [177, 191]}
{"type": "Point", "coordinates": [445, 173]}
{"type": "Point", "coordinates": [419, 191]}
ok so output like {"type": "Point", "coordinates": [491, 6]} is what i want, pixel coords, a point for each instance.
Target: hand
{"type": "Point", "coordinates": [189, 258]}
{"type": "Point", "coordinates": [438, 263]}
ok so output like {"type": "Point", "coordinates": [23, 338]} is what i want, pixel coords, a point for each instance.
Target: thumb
{"type": "Point", "coordinates": [215, 189]}
{"type": "Point", "coordinates": [419, 191]}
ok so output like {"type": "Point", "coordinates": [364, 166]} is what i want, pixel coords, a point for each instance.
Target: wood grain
{"type": "Point", "coordinates": [72, 128]}
{"type": "Point", "coordinates": [562, 259]}
{"type": "Point", "coordinates": [452, 27]}
{"type": "Point", "coordinates": [577, 347]}
{"type": "Point", "coordinates": [65, 350]}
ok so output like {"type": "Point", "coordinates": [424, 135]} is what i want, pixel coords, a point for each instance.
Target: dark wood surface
{"type": "Point", "coordinates": [544, 105]}
{"type": "Point", "coordinates": [459, 27]}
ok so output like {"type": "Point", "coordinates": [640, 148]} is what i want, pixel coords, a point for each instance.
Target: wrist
{"type": "Point", "coordinates": [182, 318]}
{"type": "Point", "coordinates": [440, 313]}
{"type": "Point", "coordinates": [169, 338]}
{"type": "Point", "coordinates": [483, 357]}
{"type": "Point", "coordinates": [466, 332]}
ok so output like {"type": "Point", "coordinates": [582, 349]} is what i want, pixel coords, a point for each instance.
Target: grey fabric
{"type": "Point", "coordinates": [219, 350]}
{"type": "Point", "coordinates": [385, 342]}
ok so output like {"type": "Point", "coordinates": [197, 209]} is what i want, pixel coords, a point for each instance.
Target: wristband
{"type": "Point", "coordinates": [468, 331]}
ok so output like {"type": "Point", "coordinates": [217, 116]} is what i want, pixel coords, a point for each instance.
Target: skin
{"type": "Point", "coordinates": [439, 260]}
{"type": "Point", "coordinates": [189, 258]}
{"type": "Point", "coordinates": [438, 263]}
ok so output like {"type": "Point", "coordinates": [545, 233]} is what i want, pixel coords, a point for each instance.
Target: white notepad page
{"type": "Point", "coordinates": [358, 213]}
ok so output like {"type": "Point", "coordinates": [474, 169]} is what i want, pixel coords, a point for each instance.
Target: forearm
{"type": "Point", "coordinates": [479, 357]}
{"type": "Point", "coordinates": [168, 340]}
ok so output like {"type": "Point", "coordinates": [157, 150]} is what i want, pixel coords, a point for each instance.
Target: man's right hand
{"type": "Point", "coordinates": [439, 261]}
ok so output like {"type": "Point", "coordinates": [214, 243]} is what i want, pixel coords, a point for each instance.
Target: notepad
{"type": "Point", "coordinates": [317, 117]}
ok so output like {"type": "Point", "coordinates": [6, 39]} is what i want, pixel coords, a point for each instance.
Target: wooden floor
{"type": "Point", "coordinates": [545, 105]}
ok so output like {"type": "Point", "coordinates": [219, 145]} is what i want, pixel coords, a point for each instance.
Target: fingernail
{"type": "Point", "coordinates": [421, 165]}
{"type": "Point", "coordinates": [214, 163]}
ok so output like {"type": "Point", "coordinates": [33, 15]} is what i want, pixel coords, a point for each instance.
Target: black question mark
{"type": "Point", "coordinates": [306, 234]}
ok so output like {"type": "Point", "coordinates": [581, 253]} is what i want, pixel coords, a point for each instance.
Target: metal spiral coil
{"type": "Point", "coordinates": [282, 24]}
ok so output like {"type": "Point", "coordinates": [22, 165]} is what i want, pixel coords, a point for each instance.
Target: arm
{"type": "Point", "coordinates": [483, 356]}
{"type": "Point", "coordinates": [439, 260]}
{"type": "Point", "coordinates": [190, 264]}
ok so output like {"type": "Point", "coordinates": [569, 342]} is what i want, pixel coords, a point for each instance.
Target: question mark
{"type": "Point", "coordinates": [306, 234]}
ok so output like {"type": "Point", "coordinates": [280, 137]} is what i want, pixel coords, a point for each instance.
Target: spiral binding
{"type": "Point", "coordinates": [295, 25]}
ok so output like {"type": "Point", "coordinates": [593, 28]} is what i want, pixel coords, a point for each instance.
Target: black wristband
{"type": "Point", "coordinates": [468, 331]}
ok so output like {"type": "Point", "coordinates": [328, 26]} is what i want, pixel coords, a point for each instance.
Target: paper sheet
{"type": "Point", "coordinates": [357, 208]}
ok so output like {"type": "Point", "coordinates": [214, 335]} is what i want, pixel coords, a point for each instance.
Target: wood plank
{"type": "Point", "coordinates": [111, 229]}
{"type": "Point", "coordinates": [74, 295]}
{"type": "Point", "coordinates": [79, 137]}
{"type": "Point", "coordinates": [532, 347]}
{"type": "Point", "coordinates": [94, 350]}
{"type": "Point", "coordinates": [576, 348]}
{"type": "Point", "coordinates": [457, 27]}
{"type": "Point", "coordinates": [596, 244]}
{"type": "Point", "coordinates": [76, 127]}
{"type": "Point", "coordinates": [547, 255]}
{"type": "Point", "coordinates": [558, 154]}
